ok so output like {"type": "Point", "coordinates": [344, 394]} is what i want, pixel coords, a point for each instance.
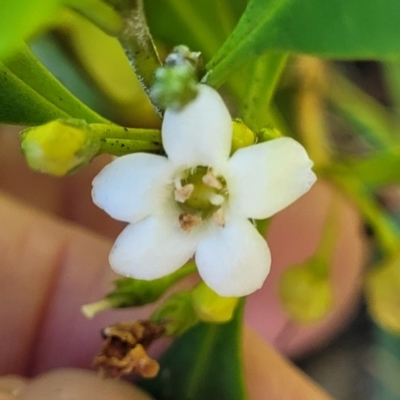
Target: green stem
{"type": "Point", "coordinates": [121, 147]}
{"type": "Point", "coordinates": [100, 13]}
{"type": "Point", "coordinates": [310, 116]}
{"type": "Point", "coordinates": [112, 131]}
{"type": "Point", "coordinates": [118, 140]}
{"type": "Point", "coordinates": [323, 256]}
{"type": "Point", "coordinates": [384, 228]}
{"type": "Point", "coordinates": [139, 46]}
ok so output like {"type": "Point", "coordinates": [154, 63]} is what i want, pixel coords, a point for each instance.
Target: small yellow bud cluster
{"type": "Point", "coordinates": [58, 147]}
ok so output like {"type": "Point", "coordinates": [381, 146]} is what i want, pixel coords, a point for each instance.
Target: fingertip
{"type": "Point", "coordinates": [11, 384]}
{"type": "Point", "coordinates": [78, 384]}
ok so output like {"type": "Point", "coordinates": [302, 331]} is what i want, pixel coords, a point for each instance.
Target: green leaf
{"type": "Point", "coordinates": [369, 118]}
{"type": "Point", "coordinates": [203, 25]}
{"type": "Point", "coordinates": [205, 363]}
{"type": "Point", "coordinates": [29, 70]}
{"type": "Point", "coordinates": [343, 29]}
{"type": "Point", "coordinates": [265, 74]}
{"type": "Point", "coordinates": [379, 169]}
{"type": "Point", "coordinates": [21, 105]}
{"type": "Point", "coordinates": [19, 19]}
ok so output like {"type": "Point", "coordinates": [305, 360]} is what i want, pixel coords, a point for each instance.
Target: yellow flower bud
{"type": "Point", "coordinates": [58, 147]}
{"type": "Point", "coordinates": [383, 295]}
{"type": "Point", "coordinates": [210, 307]}
{"type": "Point", "coordinates": [305, 296]}
{"type": "Point", "coordinates": [242, 135]}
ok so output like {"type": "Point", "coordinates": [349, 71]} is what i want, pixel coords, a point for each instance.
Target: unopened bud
{"type": "Point", "coordinates": [242, 135]}
{"type": "Point", "coordinates": [174, 86]}
{"type": "Point", "coordinates": [58, 147]}
{"type": "Point", "coordinates": [182, 55]}
{"type": "Point", "coordinates": [383, 295]}
{"type": "Point", "coordinates": [268, 133]}
{"type": "Point", "coordinates": [305, 296]}
{"type": "Point", "coordinates": [176, 314]}
{"type": "Point", "coordinates": [210, 307]}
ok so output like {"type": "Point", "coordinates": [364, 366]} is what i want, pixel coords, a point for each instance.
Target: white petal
{"type": "Point", "coordinates": [151, 248]}
{"type": "Point", "coordinates": [265, 178]}
{"type": "Point", "coordinates": [201, 133]}
{"type": "Point", "coordinates": [132, 186]}
{"type": "Point", "coordinates": [234, 260]}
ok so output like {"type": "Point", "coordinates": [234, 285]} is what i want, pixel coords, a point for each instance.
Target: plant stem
{"type": "Point", "coordinates": [310, 116]}
{"type": "Point", "coordinates": [118, 140]}
{"type": "Point", "coordinates": [139, 46]}
{"type": "Point", "coordinates": [384, 228]}
{"type": "Point", "coordinates": [326, 246]}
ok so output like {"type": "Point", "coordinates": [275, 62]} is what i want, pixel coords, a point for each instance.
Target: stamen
{"type": "Point", "coordinates": [183, 193]}
{"type": "Point", "coordinates": [216, 199]}
{"type": "Point", "coordinates": [188, 221]}
{"type": "Point", "coordinates": [219, 217]}
{"type": "Point", "coordinates": [211, 180]}
{"type": "Point", "coordinates": [177, 182]}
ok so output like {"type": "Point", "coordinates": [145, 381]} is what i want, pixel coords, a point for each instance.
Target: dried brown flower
{"type": "Point", "coordinates": [124, 349]}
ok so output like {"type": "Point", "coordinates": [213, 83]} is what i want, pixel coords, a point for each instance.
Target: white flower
{"type": "Point", "coordinates": [199, 201]}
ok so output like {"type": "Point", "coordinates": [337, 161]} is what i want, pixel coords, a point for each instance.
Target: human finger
{"type": "Point", "coordinates": [293, 237]}
{"type": "Point", "coordinates": [67, 197]}
{"type": "Point", "coordinates": [74, 384]}
{"type": "Point", "coordinates": [269, 376]}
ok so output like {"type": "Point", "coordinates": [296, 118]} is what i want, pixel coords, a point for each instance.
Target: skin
{"type": "Point", "coordinates": [54, 246]}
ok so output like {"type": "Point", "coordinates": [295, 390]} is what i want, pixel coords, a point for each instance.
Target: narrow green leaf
{"type": "Point", "coordinates": [203, 364]}
{"type": "Point", "coordinates": [21, 105]}
{"type": "Point", "coordinates": [19, 19]}
{"type": "Point", "coordinates": [25, 66]}
{"type": "Point", "coordinates": [383, 225]}
{"type": "Point", "coordinates": [200, 24]}
{"type": "Point", "coordinates": [370, 119]}
{"type": "Point", "coordinates": [341, 29]}
{"type": "Point", "coordinates": [379, 169]}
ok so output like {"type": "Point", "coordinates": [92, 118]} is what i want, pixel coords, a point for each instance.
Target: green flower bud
{"type": "Point", "coordinates": [383, 295]}
{"type": "Point", "coordinates": [210, 307]}
{"type": "Point", "coordinates": [59, 147]}
{"type": "Point", "coordinates": [176, 314]}
{"type": "Point", "coordinates": [305, 295]}
{"type": "Point", "coordinates": [175, 86]}
{"type": "Point", "coordinates": [131, 292]}
{"type": "Point", "coordinates": [242, 135]}
{"type": "Point", "coordinates": [268, 133]}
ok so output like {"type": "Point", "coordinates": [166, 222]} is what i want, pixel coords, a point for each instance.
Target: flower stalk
{"type": "Point", "coordinates": [139, 47]}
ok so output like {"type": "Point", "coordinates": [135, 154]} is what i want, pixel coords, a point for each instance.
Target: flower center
{"type": "Point", "coordinates": [200, 194]}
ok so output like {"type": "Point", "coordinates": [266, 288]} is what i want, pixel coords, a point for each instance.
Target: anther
{"type": "Point", "coordinates": [219, 217]}
{"type": "Point", "coordinates": [184, 192]}
{"type": "Point", "coordinates": [188, 221]}
{"type": "Point", "coordinates": [211, 180]}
